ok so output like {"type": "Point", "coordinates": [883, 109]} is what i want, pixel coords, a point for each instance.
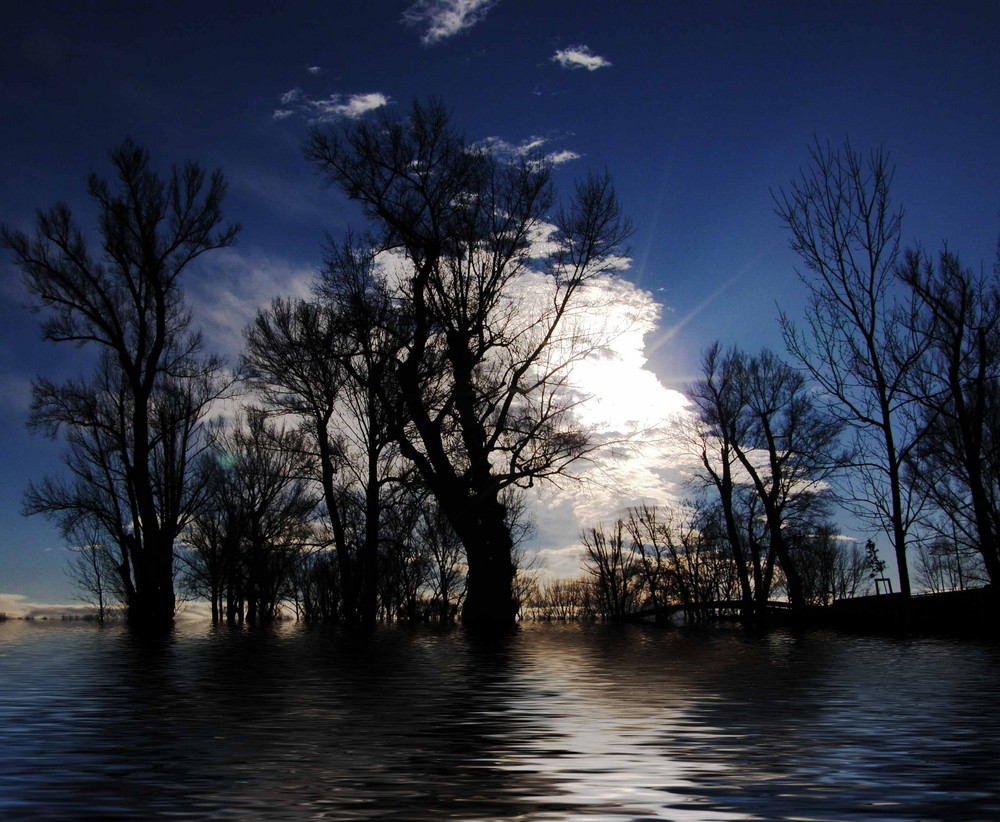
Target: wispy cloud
{"type": "Point", "coordinates": [296, 102]}
{"type": "Point", "coordinates": [533, 147]}
{"type": "Point", "coordinates": [441, 19]}
{"type": "Point", "coordinates": [314, 69]}
{"type": "Point", "coordinates": [233, 285]}
{"type": "Point", "coordinates": [576, 57]}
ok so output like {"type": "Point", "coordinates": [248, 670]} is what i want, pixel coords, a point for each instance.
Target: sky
{"type": "Point", "coordinates": [699, 111]}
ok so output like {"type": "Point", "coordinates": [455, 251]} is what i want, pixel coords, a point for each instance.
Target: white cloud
{"type": "Point", "coordinates": [441, 19]}
{"type": "Point", "coordinates": [557, 158]}
{"type": "Point", "coordinates": [314, 69]}
{"type": "Point", "coordinates": [533, 146]}
{"type": "Point", "coordinates": [639, 421]}
{"type": "Point", "coordinates": [575, 57]}
{"type": "Point", "coordinates": [325, 110]}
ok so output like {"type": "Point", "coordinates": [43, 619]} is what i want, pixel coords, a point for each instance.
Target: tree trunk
{"type": "Point", "coordinates": [150, 605]}
{"type": "Point", "coordinates": [489, 600]}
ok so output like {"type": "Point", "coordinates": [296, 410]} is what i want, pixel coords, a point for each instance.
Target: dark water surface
{"type": "Point", "coordinates": [553, 723]}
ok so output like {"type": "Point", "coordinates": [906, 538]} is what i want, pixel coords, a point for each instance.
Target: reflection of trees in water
{"type": "Point", "coordinates": [391, 723]}
{"type": "Point", "coordinates": [551, 722]}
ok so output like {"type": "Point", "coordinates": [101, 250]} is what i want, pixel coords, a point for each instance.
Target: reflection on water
{"type": "Point", "coordinates": [552, 723]}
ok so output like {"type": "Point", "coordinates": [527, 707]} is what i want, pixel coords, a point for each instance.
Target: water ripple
{"type": "Point", "coordinates": [552, 723]}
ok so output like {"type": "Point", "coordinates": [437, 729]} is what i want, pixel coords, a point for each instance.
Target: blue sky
{"type": "Point", "coordinates": [698, 110]}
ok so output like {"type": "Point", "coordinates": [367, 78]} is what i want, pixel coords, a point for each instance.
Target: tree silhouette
{"type": "Point", "coordinates": [135, 428]}
{"type": "Point", "coordinates": [845, 229]}
{"type": "Point", "coordinates": [480, 373]}
{"type": "Point", "coordinates": [956, 465]}
{"type": "Point", "coordinates": [785, 443]}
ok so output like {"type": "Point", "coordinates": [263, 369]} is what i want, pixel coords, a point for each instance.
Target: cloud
{"type": "Point", "coordinates": [532, 147]}
{"type": "Point", "coordinates": [640, 423]}
{"type": "Point", "coordinates": [575, 57]}
{"type": "Point", "coordinates": [314, 69]}
{"type": "Point", "coordinates": [18, 605]}
{"type": "Point", "coordinates": [441, 19]}
{"type": "Point", "coordinates": [557, 158]}
{"type": "Point", "coordinates": [231, 286]}
{"type": "Point", "coordinates": [296, 102]}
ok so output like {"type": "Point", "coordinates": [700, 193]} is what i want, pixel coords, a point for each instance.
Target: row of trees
{"type": "Point", "coordinates": [653, 562]}
{"type": "Point", "coordinates": [436, 354]}
{"type": "Point", "coordinates": [905, 348]}
{"type": "Point", "coordinates": [400, 411]}
{"type": "Point", "coordinates": [887, 408]}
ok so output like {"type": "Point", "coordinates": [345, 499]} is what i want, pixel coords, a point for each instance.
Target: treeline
{"type": "Point", "coordinates": [395, 415]}
{"type": "Point", "coordinates": [654, 563]}
{"type": "Point", "coordinates": [391, 421]}
{"type": "Point", "coordinates": [888, 406]}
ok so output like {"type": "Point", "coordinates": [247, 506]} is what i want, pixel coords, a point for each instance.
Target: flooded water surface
{"type": "Point", "coordinates": [551, 723]}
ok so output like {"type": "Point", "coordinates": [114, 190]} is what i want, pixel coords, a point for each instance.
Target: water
{"type": "Point", "coordinates": [553, 723]}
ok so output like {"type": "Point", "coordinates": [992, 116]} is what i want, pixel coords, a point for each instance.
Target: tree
{"type": "Point", "coordinates": [830, 567]}
{"type": "Point", "coordinates": [681, 557]}
{"type": "Point", "coordinates": [717, 396]}
{"type": "Point", "coordinates": [956, 465]}
{"type": "Point", "coordinates": [95, 576]}
{"type": "Point", "coordinates": [135, 428]}
{"type": "Point", "coordinates": [349, 286]}
{"type": "Point", "coordinates": [447, 577]}
{"type": "Point", "coordinates": [480, 372]}
{"type": "Point", "coordinates": [845, 229]}
{"type": "Point", "coordinates": [785, 443]}
{"type": "Point", "coordinates": [613, 569]}
{"type": "Point", "coordinates": [293, 358]}
{"type": "Point", "coordinates": [256, 524]}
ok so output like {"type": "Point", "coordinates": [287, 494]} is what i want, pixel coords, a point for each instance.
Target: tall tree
{"type": "Point", "coordinates": [135, 426]}
{"type": "Point", "coordinates": [349, 286]}
{"type": "Point", "coordinates": [957, 464]}
{"type": "Point", "coordinates": [717, 396]}
{"type": "Point", "coordinates": [482, 365]}
{"type": "Point", "coordinates": [846, 231]}
{"type": "Point", "coordinates": [294, 357]}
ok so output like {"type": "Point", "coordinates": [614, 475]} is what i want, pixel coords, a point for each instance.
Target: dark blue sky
{"type": "Point", "coordinates": [698, 110]}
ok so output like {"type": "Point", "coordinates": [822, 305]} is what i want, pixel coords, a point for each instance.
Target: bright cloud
{"type": "Point", "coordinates": [641, 424]}
{"type": "Point", "coordinates": [335, 107]}
{"type": "Point", "coordinates": [576, 57]}
{"type": "Point", "coordinates": [441, 19]}
{"type": "Point", "coordinates": [314, 69]}
{"type": "Point", "coordinates": [534, 146]}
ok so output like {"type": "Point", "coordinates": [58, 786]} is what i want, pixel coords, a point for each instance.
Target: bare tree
{"type": "Point", "coordinates": [830, 567]}
{"type": "Point", "coordinates": [613, 569]}
{"type": "Point", "coordinates": [956, 466]}
{"type": "Point", "coordinates": [367, 318]}
{"type": "Point", "coordinates": [94, 574]}
{"type": "Point", "coordinates": [562, 599]}
{"type": "Point", "coordinates": [135, 427]}
{"type": "Point", "coordinates": [447, 580]}
{"type": "Point", "coordinates": [294, 358]}
{"type": "Point", "coordinates": [481, 370]}
{"type": "Point", "coordinates": [784, 442]}
{"type": "Point", "coordinates": [846, 231]}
